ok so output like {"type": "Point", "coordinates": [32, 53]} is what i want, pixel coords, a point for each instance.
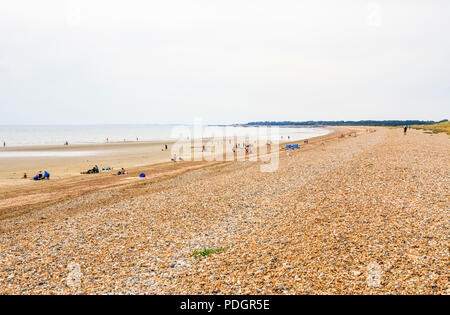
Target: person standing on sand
{"type": "Point", "coordinates": [405, 129]}
{"type": "Point", "coordinates": [4, 144]}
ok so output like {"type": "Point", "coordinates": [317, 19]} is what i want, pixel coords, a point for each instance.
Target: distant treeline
{"type": "Point", "coordinates": [345, 123]}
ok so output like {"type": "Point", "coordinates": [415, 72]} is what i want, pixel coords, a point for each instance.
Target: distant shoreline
{"type": "Point", "coordinates": [322, 123]}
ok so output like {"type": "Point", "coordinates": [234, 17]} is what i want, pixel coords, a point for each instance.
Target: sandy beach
{"type": "Point", "coordinates": [65, 164]}
{"type": "Point", "coordinates": [64, 161]}
{"type": "Point", "coordinates": [356, 215]}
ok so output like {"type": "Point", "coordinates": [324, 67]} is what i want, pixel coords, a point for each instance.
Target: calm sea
{"type": "Point", "coordinates": [90, 134]}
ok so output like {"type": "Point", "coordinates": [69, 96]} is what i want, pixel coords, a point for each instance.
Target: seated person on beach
{"type": "Point", "coordinates": [39, 176]}
{"type": "Point", "coordinates": [92, 171]}
{"type": "Point", "coordinates": [122, 172]}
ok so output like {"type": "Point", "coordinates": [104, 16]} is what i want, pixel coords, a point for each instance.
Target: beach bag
{"type": "Point", "coordinates": [142, 175]}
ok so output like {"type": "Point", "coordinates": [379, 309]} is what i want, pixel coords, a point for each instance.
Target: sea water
{"type": "Point", "coordinates": [36, 135]}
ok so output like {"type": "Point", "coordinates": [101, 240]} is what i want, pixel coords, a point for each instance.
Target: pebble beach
{"type": "Point", "coordinates": [358, 215]}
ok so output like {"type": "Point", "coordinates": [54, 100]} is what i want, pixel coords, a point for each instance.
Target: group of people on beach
{"type": "Point", "coordinates": [96, 170]}
{"type": "Point", "coordinates": [248, 147]}
{"type": "Point", "coordinates": [40, 175]}
{"type": "Point", "coordinates": [93, 170]}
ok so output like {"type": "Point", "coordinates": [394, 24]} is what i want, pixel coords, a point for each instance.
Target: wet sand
{"type": "Point", "coordinates": [71, 160]}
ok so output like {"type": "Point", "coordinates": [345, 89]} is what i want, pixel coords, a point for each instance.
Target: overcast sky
{"type": "Point", "coordinates": [224, 61]}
